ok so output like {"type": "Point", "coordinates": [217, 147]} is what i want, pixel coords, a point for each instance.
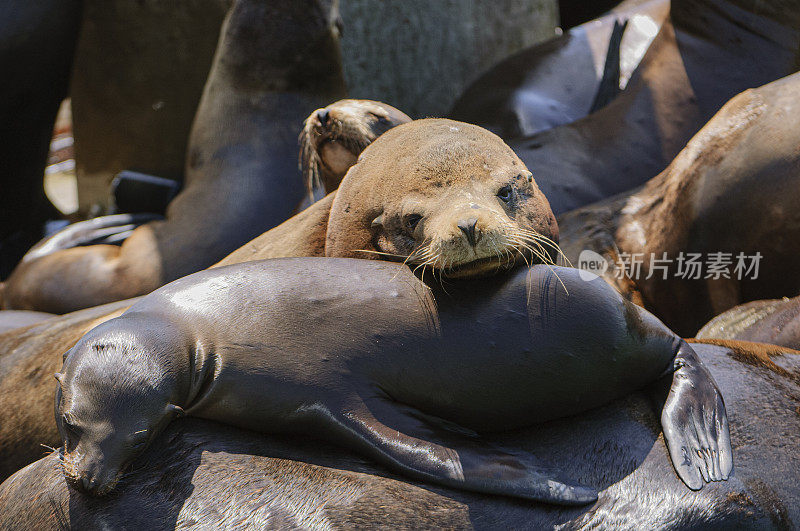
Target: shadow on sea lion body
{"type": "Point", "coordinates": [705, 53]}
{"type": "Point", "coordinates": [275, 63]}
{"type": "Point", "coordinates": [201, 473]}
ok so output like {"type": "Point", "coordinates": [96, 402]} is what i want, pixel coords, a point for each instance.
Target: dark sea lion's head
{"type": "Point", "coordinates": [107, 412]}
{"type": "Point", "coordinates": [442, 195]}
{"type": "Point", "coordinates": [333, 137]}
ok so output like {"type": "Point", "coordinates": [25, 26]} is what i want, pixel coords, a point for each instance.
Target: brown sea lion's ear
{"type": "Point", "coordinates": [60, 377]}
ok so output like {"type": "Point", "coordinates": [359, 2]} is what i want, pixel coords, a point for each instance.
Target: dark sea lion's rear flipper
{"type": "Point", "coordinates": [406, 441]}
{"type": "Point", "coordinates": [695, 423]}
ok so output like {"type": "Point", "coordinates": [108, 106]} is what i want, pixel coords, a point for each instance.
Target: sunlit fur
{"type": "Point", "coordinates": [414, 191]}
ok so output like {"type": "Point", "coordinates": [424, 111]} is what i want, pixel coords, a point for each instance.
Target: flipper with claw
{"type": "Point", "coordinates": [695, 423]}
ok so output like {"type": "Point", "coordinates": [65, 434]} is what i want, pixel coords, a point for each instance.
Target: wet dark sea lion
{"type": "Point", "coordinates": [494, 355]}
{"type": "Point", "coordinates": [185, 478]}
{"type": "Point", "coordinates": [275, 63]}
{"type": "Point", "coordinates": [733, 189]}
{"type": "Point", "coordinates": [28, 358]}
{"type": "Point", "coordinates": [704, 54]}
{"type": "Point", "coordinates": [775, 321]}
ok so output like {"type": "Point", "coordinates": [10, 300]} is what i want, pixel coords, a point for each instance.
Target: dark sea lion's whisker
{"type": "Point", "coordinates": [380, 253]}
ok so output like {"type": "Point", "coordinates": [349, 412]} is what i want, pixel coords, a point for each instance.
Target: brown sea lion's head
{"type": "Point", "coordinates": [442, 195]}
{"type": "Point", "coordinates": [107, 411]}
{"type": "Point", "coordinates": [333, 137]}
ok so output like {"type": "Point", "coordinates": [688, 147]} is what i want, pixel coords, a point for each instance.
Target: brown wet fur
{"type": "Point", "coordinates": [752, 353]}
{"type": "Point", "coordinates": [771, 321]}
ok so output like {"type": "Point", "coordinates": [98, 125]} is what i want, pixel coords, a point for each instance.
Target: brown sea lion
{"type": "Point", "coordinates": [490, 356]}
{"type": "Point", "coordinates": [733, 189]}
{"type": "Point", "coordinates": [334, 136]}
{"type": "Point", "coordinates": [704, 54]}
{"type": "Point", "coordinates": [434, 193]}
{"type": "Point", "coordinates": [774, 321]}
{"type": "Point", "coordinates": [275, 63]}
{"type": "Point", "coordinates": [185, 477]}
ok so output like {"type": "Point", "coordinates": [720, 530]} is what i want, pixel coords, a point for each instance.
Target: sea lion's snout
{"type": "Point", "coordinates": [322, 116]}
{"type": "Point", "coordinates": [468, 227]}
{"type": "Point", "coordinates": [89, 477]}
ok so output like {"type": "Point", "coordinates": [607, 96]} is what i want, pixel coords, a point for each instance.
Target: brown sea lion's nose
{"type": "Point", "coordinates": [467, 226]}
{"type": "Point", "coordinates": [322, 116]}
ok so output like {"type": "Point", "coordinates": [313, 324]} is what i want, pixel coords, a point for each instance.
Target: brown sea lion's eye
{"type": "Point", "coordinates": [412, 220]}
{"type": "Point", "coordinates": [505, 193]}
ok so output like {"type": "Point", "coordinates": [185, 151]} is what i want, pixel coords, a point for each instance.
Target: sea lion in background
{"type": "Point", "coordinates": [489, 356]}
{"type": "Point", "coordinates": [774, 321]}
{"type": "Point", "coordinates": [704, 54]}
{"type": "Point", "coordinates": [185, 478]}
{"type": "Point", "coordinates": [333, 137]}
{"type": "Point", "coordinates": [733, 189]}
{"type": "Point", "coordinates": [37, 41]}
{"type": "Point", "coordinates": [276, 61]}
{"type": "Point", "coordinates": [557, 81]}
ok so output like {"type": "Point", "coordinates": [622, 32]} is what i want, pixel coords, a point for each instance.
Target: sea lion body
{"type": "Point", "coordinates": [688, 72]}
{"type": "Point", "coordinates": [774, 321]}
{"type": "Point", "coordinates": [731, 190]}
{"type": "Point", "coordinates": [11, 319]}
{"type": "Point", "coordinates": [288, 364]}
{"type": "Point", "coordinates": [274, 64]}
{"type": "Point", "coordinates": [280, 481]}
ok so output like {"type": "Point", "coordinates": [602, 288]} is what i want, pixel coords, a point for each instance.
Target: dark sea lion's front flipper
{"type": "Point", "coordinates": [402, 438]}
{"type": "Point", "coordinates": [695, 423]}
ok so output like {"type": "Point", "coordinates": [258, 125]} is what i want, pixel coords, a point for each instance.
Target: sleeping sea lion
{"type": "Point", "coordinates": [334, 136]}
{"type": "Point", "coordinates": [184, 478]}
{"type": "Point", "coordinates": [276, 346]}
